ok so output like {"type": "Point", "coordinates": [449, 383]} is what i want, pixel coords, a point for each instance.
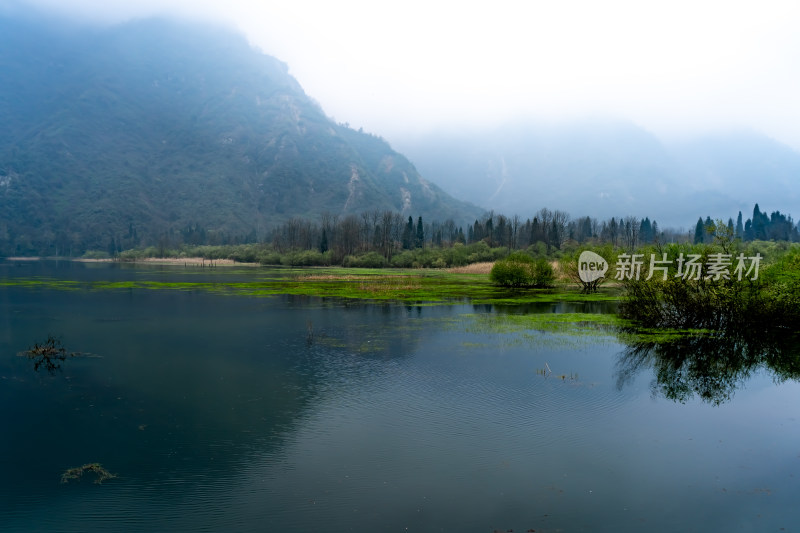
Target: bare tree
{"type": "Point", "coordinates": [559, 221]}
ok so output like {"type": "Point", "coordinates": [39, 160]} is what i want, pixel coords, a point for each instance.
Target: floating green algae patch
{"type": "Point", "coordinates": [418, 287]}
{"type": "Point", "coordinates": [408, 286]}
{"type": "Point", "coordinates": [590, 324]}
{"type": "Point", "coordinates": [562, 329]}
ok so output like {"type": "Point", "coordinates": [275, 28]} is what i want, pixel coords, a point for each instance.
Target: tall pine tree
{"type": "Point", "coordinates": [419, 241]}
{"type": "Point", "coordinates": [699, 231]}
{"type": "Point", "coordinates": [739, 227]}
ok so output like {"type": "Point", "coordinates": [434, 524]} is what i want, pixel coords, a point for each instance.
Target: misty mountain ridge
{"type": "Point", "coordinates": [605, 168]}
{"type": "Point", "coordinates": [130, 134]}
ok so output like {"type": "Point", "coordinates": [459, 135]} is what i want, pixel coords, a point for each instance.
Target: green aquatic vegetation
{"type": "Point", "coordinates": [42, 283]}
{"type": "Point", "coordinates": [330, 342]}
{"type": "Point", "coordinates": [466, 344]}
{"type": "Point", "coordinates": [433, 287]}
{"type": "Point", "coordinates": [573, 323]}
{"type": "Point", "coordinates": [76, 473]}
{"type": "Point", "coordinates": [540, 330]}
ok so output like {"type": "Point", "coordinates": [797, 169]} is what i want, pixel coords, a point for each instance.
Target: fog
{"type": "Point", "coordinates": [401, 68]}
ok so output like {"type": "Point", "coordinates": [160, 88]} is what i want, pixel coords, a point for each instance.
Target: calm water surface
{"type": "Point", "coordinates": [230, 413]}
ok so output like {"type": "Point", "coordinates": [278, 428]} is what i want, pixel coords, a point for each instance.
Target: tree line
{"type": "Point", "coordinates": [385, 235]}
{"type": "Point", "coordinates": [389, 233]}
{"type": "Point", "coordinates": [761, 227]}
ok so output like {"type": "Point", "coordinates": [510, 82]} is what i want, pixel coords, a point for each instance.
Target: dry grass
{"type": "Point", "coordinates": [392, 286]}
{"type": "Point", "coordinates": [474, 268]}
{"type": "Point", "coordinates": [332, 277]}
{"type": "Point", "coordinates": [180, 261]}
{"type": "Point", "coordinates": [383, 284]}
{"type": "Point", "coordinates": [194, 261]}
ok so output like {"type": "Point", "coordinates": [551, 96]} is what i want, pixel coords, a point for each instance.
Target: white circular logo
{"type": "Point", "coordinates": [591, 266]}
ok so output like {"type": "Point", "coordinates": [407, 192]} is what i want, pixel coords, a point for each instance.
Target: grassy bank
{"type": "Point", "coordinates": [418, 286]}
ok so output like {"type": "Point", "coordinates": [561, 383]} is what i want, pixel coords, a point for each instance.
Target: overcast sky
{"type": "Point", "coordinates": [396, 67]}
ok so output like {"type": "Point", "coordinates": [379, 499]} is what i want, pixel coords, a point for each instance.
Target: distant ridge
{"type": "Point", "coordinates": [605, 168]}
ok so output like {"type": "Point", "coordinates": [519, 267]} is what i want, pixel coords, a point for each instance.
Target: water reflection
{"type": "Point", "coordinates": [711, 365]}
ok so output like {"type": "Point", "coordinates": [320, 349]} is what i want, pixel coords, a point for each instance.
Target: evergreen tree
{"type": "Point", "coordinates": [419, 241]}
{"type": "Point", "coordinates": [323, 242]}
{"type": "Point", "coordinates": [477, 232]}
{"type": "Point", "coordinates": [613, 231]}
{"type": "Point", "coordinates": [408, 234]}
{"type": "Point", "coordinates": [739, 228]}
{"type": "Point", "coordinates": [502, 239]}
{"type": "Point", "coordinates": [699, 231]}
{"type": "Point", "coordinates": [536, 231]}
{"type": "Point", "coordinates": [708, 227]}
{"type": "Point", "coordinates": [645, 231]}
{"type": "Point", "coordinates": [760, 222]}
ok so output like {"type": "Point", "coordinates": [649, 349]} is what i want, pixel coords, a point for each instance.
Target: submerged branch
{"type": "Point", "coordinates": [101, 474]}
{"type": "Point", "coordinates": [49, 355]}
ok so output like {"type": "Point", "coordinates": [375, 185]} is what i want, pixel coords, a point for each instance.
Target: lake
{"type": "Point", "coordinates": [223, 412]}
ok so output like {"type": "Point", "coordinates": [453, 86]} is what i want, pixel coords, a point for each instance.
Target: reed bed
{"type": "Point", "coordinates": [474, 268]}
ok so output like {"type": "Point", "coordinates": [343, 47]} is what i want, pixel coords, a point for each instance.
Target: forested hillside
{"type": "Point", "coordinates": [125, 136]}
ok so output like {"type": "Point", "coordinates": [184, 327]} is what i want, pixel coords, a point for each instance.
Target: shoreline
{"type": "Point", "coordinates": [174, 261]}
{"type": "Point", "coordinates": [475, 268]}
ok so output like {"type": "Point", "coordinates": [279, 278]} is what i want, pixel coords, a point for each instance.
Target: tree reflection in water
{"type": "Point", "coordinates": [710, 365]}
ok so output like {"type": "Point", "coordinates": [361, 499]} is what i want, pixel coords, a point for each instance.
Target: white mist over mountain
{"type": "Point", "coordinates": [397, 68]}
{"type": "Point", "coordinates": [532, 93]}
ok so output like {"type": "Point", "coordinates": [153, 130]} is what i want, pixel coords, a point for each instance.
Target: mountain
{"type": "Point", "coordinates": [605, 168]}
{"type": "Point", "coordinates": [133, 133]}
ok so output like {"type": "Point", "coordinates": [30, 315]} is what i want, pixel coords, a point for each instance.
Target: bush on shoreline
{"type": "Point", "coordinates": [769, 303]}
{"type": "Point", "coordinates": [431, 257]}
{"type": "Point", "coordinates": [521, 270]}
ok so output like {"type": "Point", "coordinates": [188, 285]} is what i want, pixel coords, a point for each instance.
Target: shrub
{"type": "Point", "coordinates": [403, 260]}
{"type": "Point", "coordinates": [543, 275]}
{"type": "Point", "coordinates": [368, 260]}
{"type": "Point", "coordinates": [269, 258]}
{"type": "Point", "coordinates": [479, 252]}
{"type": "Point", "coordinates": [303, 258]}
{"type": "Point", "coordinates": [95, 254]}
{"type": "Point", "coordinates": [521, 270]}
{"type": "Point", "coordinates": [456, 255]}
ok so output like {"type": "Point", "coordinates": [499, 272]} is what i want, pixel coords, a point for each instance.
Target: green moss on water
{"type": "Point", "coordinates": [575, 323]}
{"type": "Point", "coordinates": [417, 287]}
{"type": "Point", "coordinates": [407, 286]}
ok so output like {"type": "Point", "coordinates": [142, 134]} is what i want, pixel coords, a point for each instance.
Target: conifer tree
{"type": "Point", "coordinates": [699, 231]}
{"type": "Point", "coordinates": [408, 234]}
{"type": "Point", "coordinates": [739, 228]}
